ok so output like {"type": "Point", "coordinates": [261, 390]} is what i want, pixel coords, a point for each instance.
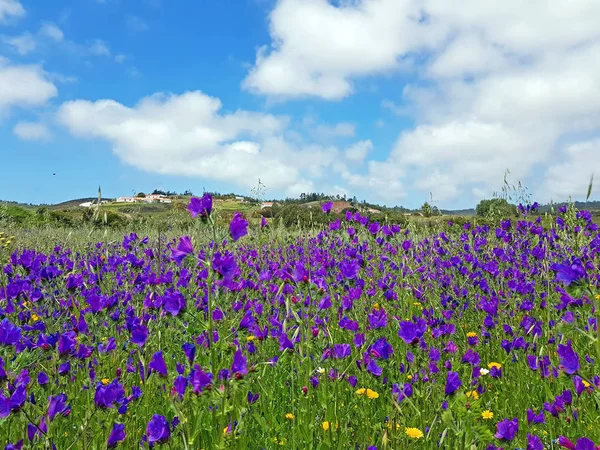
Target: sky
{"type": "Point", "coordinates": [392, 101]}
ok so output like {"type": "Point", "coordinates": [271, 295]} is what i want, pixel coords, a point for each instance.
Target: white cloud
{"type": "Point", "coordinates": [188, 135]}
{"type": "Point", "coordinates": [10, 9]}
{"type": "Point", "coordinates": [22, 44]}
{"type": "Point", "coordinates": [317, 47]}
{"type": "Point", "coordinates": [24, 86]}
{"type": "Point", "coordinates": [359, 150]}
{"type": "Point", "coordinates": [571, 175]}
{"type": "Point", "coordinates": [32, 131]}
{"type": "Point", "coordinates": [99, 48]}
{"type": "Point", "coordinates": [493, 85]}
{"type": "Point", "coordinates": [52, 31]}
{"type": "Point", "coordinates": [328, 132]}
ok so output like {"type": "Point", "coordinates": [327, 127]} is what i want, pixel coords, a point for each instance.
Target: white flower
{"type": "Point", "coordinates": [483, 371]}
{"type": "Point", "coordinates": [320, 370]}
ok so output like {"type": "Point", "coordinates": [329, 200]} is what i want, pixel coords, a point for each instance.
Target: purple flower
{"type": "Point", "coordinates": [13, 403]}
{"type": "Point", "coordinates": [582, 444]}
{"type": "Point", "coordinates": [452, 383]}
{"type": "Point", "coordinates": [252, 398]}
{"type": "Point", "coordinates": [174, 302]}
{"type": "Point", "coordinates": [10, 334]}
{"type": "Point", "coordinates": [341, 351]}
{"type": "Point", "coordinates": [200, 379]}
{"type": "Point", "coordinates": [116, 435]}
{"type": "Point", "coordinates": [158, 429]}
{"type": "Point", "coordinates": [139, 334]}
{"type": "Point", "coordinates": [532, 417]}
{"type": "Point", "coordinates": [225, 265]}
{"type": "Point", "coordinates": [569, 359]}
{"type": "Point", "coordinates": [42, 378]}
{"type": "Point", "coordinates": [58, 405]}
{"type": "Point", "coordinates": [507, 429]}
{"type": "Point", "coordinates": [374, 228]}
{"type": "Point", "coordinates": [179, 385]}
{"type": "Point", "coordinates": [190, 351]}
{"type": "Point", "coordinates": [238, 368]}
{"type": "Point", "coordinates": [534, 442]}
{"type": "Point", "coordinates": [17, 446]}
{"type": "Point", "coordinates": [411, 332]}
{"type": "Point", "coordinates": [184, 248]}
{"type": "Point", "coordinates": [326, 207]}
{"type": "Point", "coordinates": [67, 343]}
{"type": "Point", "coordinates": [238, 227]}
{"type": "Point", "coordinates": [570, 272]}
{"type": "Point", "coordinates": [263, 222]}
{"type": "Point", "coordinates": [374, 368]}
{"type": "Point", "coordinates": [158, 364]}
{"type": "Point", "coordinates": [349, 268]}
{"type": "Point", "coordinates": [107, 396]}
{"type": "Point", "coordinates": [200, 206]}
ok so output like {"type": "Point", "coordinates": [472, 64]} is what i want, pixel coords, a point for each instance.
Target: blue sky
{"type": "Point", "coordinates": [393, 101]}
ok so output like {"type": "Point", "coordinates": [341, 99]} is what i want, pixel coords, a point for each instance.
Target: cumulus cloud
{"type": "Point", "coordinates": [32, 131]}
{"type": "Point", "coordinates": [10, 9]}
{"type": "Point", "coordinates": [51, 31]}
{"type": "Point", "coordinates": [493, 85]}
{"type": "Point", "coordinates": [23, 86]}
{"type": "Point", "coordinates": [22, 44]}
{"type": "Point", "coordinates": [571, 174]}
{"type": "Point", "coordinates": [359, 150]}
{"type": "Point", "coordinates": [190, 135]}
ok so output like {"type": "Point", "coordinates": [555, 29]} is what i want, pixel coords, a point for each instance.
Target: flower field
{"type": "Point", "coordinates": [362, 335]}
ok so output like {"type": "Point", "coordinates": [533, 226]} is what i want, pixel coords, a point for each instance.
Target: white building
{"type": "Point", "coordinates": [86, 204]}
{"type": "Point", "coordinates": [126, 200]}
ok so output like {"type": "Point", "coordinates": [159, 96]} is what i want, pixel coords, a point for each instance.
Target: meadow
{"type": "Point", "coordinates": [351, 335]}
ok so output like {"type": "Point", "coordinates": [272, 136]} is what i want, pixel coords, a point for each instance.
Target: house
{"type": "Point", "coordinates": [264, 205]}
{"type": "Point", "coordinates": [127, 200]}
{"type": "Point", "coordinates": [373, 211]}
{"type": "Point", "coordinates": [151, 198]}
{"type": "Point", "coordinates": [86, 204]}
{"type": "Point", "coordinates": [240, 199]}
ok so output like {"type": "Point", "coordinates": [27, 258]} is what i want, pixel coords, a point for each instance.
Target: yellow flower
{"type": "Point", "coordinates": [585, 383]}
{"type": "Point", "coordinates": [389, 425]}
{"type": "Point", "coordinates": [325, 425]}
{"type": "Point", "coordinates": [473, 394]}
{"type": "Point", "coordinates": [372, 394]}
{"type": "Point", "coordinates": [35, 317]}
{"type": "Point", "coordinates": [361, 391]}
{"type": "Point", "coordinates": [376, 306]}
{"type": "Point", "coordinates": [471, 334]}
{"type": "Point", "coordinates": [409, 377]}
{"type": "Point", "coordinates": [225, 430]}
{"type": "Point", "coordinates": [289, 416]}
{"type": "Point", "coordinates": [598, 297]}
{"type": "Point", "coordinates": [495, 364]}
{"type": "Point", "coordinates": [417, 304]}
{"type": "Point", "coordinates": [414, 433]}
{"type": "Point", "coordinates": [250, 338]}
{"type": "Point", "coordinates": [487, 414]}
{"type": "Point", "coordinates": [105, 381]}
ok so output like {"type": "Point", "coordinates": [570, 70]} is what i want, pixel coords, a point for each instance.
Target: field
{"type": "Point", "coordinates": [350, 335]}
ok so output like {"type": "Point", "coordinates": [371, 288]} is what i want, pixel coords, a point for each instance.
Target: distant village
{"type": "Point", "coordinates": [150, 198]}
{"type": "Point", "coordinates": [337, 206]}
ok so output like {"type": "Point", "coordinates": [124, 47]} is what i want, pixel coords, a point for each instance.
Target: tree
{"type": "Point", "coordinates": [141, 195]}
{"type": "Point", "coordinates": [427, 210]}
{"type": "Point", "coordinates": [495, 208]}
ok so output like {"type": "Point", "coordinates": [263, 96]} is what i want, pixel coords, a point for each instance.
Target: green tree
{"type": "Point", "coordinates": [427, 210]}
{"type": "Point", "coordinates": [141, 195]}
{"type": "Point", "coordinates": [495, 208]}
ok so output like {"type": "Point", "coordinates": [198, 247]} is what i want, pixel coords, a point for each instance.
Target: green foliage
{"type": "Point", "coordinates": [427, 210]}
{"type": "Point", "coordinates": [495, 208]}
